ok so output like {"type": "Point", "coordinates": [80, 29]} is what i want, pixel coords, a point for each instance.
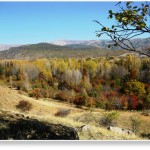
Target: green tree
{"type": "Point", "coordinates": [130, 21]}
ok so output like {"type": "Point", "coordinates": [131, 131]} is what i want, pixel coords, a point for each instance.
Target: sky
{"type": "Point", "coordinates": [34, 22]}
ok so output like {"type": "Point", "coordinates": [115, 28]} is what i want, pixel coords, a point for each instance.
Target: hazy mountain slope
{"type": "Point", "coordinates": [7, 46]}
{"type": "Point", "coordinates": [95, 43]}
{"type": "Point", "coordinates": [138, 42]}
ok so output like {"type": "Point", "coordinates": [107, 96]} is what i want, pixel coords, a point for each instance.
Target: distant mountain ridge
{"type": "Point", "coordinates": [46, 50]}
{"type": "Point", "coordinates": [95, 43]}
{"type": "Point", "coordinates": [70, 48]}
{"type": "Point", "coordinates": [139, 43]}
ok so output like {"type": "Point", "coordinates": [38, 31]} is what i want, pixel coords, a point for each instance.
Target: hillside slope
{"type": "Point", "coordinates": [45, 110]}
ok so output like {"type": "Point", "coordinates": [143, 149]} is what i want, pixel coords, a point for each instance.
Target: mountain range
{"type": "Point", "coordinates": [138, 43]}
{"type": "Point", "coordinates": [96, 43]}
{"type": "Point", "coordinates": [67, 48]}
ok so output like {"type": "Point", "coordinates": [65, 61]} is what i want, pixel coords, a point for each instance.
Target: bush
{"type": "Point", "coordinates": [93, 93]}
{"type": "Point", "coordinates": [24, 105]}
{"type": "Point", "coordinates": [79, 100]}
{"type": "Point", "coordinates": [65, 95]}
{"type": "Point", "coordinates": [37, 93]}
{"type": "Point", "coordinates": [136, 122]}
{"type": "Point", "coordinates": [62, 112]}
{"type": "Point", "coordinates": [109, 119]}
{"type": "Point", "coordinates": [100, 104]}
{"type": "Point", "coordinates": [90, 102]}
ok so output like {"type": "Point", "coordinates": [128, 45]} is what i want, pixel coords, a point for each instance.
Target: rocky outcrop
{"type": "Point", "coordinates": [19, 127]}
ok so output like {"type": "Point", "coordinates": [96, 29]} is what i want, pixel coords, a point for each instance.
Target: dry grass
{"type": "Point", "coordinates": [45, 109]}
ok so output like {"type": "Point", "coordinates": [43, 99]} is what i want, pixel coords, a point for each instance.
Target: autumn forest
{"type": "Point", "coordinates": [109, 83]}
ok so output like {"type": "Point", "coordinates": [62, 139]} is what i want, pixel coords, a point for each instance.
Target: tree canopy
{"type": "Point", "coordinates": [131, 21]}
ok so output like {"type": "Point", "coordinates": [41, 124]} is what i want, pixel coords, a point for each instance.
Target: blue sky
{"type": "Point", "coordinates": [33, 22]}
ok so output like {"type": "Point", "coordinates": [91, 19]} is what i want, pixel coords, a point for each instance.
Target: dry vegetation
{"type": "Point", "coordinates": [45, 109]}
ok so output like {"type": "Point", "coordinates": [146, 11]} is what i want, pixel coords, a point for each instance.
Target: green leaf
{"type": "Point", "coordinates": [128, 3]}
{"type": "Point", "coordinates": [134, 7]}
{"type": "Point", "coordinates": [110, 16]}
{"type": "Point", "coordinates": [110, 12]}
{"type": "Point", "coordinates": [99, 34]}
{"type": "Point", "coordinates": [103, 29]}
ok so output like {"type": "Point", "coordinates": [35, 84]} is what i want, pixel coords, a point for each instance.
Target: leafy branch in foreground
{"type": "Point", "coordinates": [131, 21]}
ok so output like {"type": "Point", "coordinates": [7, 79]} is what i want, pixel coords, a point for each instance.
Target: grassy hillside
{"type": "Point", "coordinates": [45, 110]}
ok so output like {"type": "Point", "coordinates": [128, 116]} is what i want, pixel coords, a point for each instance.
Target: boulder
{"type": "Point", "coordinates": [119, 130]}
{"type": "Point", "coordinates": [85, 128]}
{"type": "Point", "coordinates": [19, 127]}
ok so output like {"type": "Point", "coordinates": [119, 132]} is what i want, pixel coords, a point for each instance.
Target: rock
{"type": "Point", "coordinates": [115, 129]}
{"type": "Point", "coordinates": [119, 130]}
{"type": "Point", "coordinates": [22, 128]}
{"type": "Point", "coordinates": [86, 128]}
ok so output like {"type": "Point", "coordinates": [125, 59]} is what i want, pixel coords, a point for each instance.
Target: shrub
{"type": "Point", "coordinates": [109, 119]}
{"type": "Point", "coordinates": [112, 104]}
{"type": "Point", "coordinates": [62, 112]}
{"type": "Point", "coordinates": [65, 95]}
{"type": "Point", "coordinates": [93, 93]}
{"type": "Point", "coordinates": [100, 104]}
{"type": "Point", "coordinates": [135, 122]}
{"type": "Point", "coordinates": [101, 101]}
{"type": "Point", "coordinates": [90, 102]}
{"type": "Point", "coordinates": [79, 100]}
{"type": "Point", "coordinates": [24, 105]}
{"type": "Point", "coordinates": [37, 93]}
